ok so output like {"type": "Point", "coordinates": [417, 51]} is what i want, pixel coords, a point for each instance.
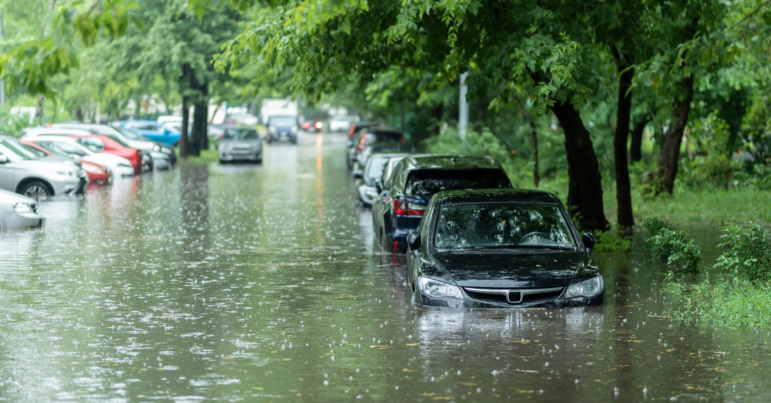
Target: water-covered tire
{"type": "Point", "coordinates": [35, 190]}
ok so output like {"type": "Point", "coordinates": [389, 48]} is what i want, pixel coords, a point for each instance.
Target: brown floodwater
{"type": "Point", "coordinates": [260, 283]}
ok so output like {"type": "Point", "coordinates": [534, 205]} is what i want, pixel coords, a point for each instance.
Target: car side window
{"type": "Point", "coordinates": [70, 149]}
{"type": "Point", "coordinates": [93, 144]}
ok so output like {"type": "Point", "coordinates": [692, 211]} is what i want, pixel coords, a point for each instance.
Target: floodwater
{"type": "Point", "coordinates": [260, 283]}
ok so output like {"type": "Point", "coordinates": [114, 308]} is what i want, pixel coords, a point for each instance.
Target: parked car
{"type": "Point", "coordinates": [374, 148]}
{"type": "Point", "coordinates": [282, 127]}
{"type": "Point", "coordinates": [369, 136]}
{"type": "Point", "coordinates": [17, 211]}
{"type": "Point", "coordinates": [359, 126]}
{"type": "Point", "coordinates": [244, 119]}
{"type": "Point", "coordinates": [38, 179]}
{"type": "Point", "coordinates": [154, 131]}
{"type": "Point", "coordinates": [501, 248]}
{"type": "Point", "coordinates": [97, 174]}
{"type": "Point", "coordinates": [163, 157]}
{"type": "Point", "coordinates": [240, 143]}
{"type": "Point", "coordinates": [144, 161]}
{"type": "Point", "coordinates": [403, 197]}
{"type": "Point", "coordinates": [373, 173]}
{"type": "Point", "coordinates": [341, 123]}
{"type": "Point", "coordinates": [105, 144]}
{"type": "Point", "coordinates": [118, 165]}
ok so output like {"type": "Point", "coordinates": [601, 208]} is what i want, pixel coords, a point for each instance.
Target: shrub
{"type": "Point", "coordinates": [655, 224]}
{"type": "Point", "coordinates": [680, 251]}
{"type": "Point", "coordinates": [611, 242]}
{"type": "Point", "coordinates": [749, 252]}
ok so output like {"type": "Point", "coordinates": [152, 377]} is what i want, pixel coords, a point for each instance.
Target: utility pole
{"type": "Point", "coordinates": [463, 112]}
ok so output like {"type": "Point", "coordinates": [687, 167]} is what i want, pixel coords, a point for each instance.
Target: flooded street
{"type": "Point", "coordinates": [260, 283]}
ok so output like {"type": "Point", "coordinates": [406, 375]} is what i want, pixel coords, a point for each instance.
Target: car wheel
{"type": "Point", "coordinates": [36, 190]}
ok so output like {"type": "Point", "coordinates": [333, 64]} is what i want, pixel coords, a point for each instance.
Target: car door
{"type": "Point", "coordinates": [6, 175]}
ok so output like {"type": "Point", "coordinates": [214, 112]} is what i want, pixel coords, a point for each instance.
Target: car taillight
{"type": "Point", "coordinates": [351, 131]}
{"type": "Point", "coordinates": [407, 208]}
{"type": "Point", "coordinates": [362, 142]}
{"type": "Point", "coordinates": [306, 125]}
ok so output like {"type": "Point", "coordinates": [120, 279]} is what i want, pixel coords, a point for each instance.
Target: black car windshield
{"type": "Point", "coordinates": [426, 182]}
{"type": "Point", "coordinates": [501, 225]}
{"type": "Point", "coordinates": [384, 137]}
{"type": "Point", "coordinates": [282, 121]}
{"type": "Point", "coordinates": [240, 134]}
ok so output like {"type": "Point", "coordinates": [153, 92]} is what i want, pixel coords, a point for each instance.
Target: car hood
{"type": "Point", "coordinates": [236, 143]}
{"type": "Point", "coordinates": [507, 269]}
{"type": "Point", "coordinates": [11, 197]}
{"type": "Point", "coordinates": [106, 159]}
{"type": "Point", "coordinates": [50, 165]}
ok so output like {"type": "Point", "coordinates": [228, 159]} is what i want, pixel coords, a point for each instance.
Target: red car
{"type": "Point", "coordinates": [106, 144]}
{"type": "Point", "coordinates": [97, 174]}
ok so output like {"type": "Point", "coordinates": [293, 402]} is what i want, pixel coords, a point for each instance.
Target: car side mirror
{"type": "Point", "coordinates": [588, 239]}
{"type": "Point", "coordinates": [3, 159]}
{"type": "Point", "coordinates": [357, 174]}
{"type": "Point", "coordinates": [413, 240]}
{"type": "Point", "coordinates": [379, 186]}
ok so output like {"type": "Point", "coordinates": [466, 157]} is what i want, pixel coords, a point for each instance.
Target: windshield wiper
{"type": "Point", "coordinates": [520, 247]}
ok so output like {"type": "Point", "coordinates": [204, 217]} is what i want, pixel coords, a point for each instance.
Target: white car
{"type": "Point", "coordinates": [340, 123]}
{"type": "Point", "coordinates": [159, 152]}
{"type": "Point", "coordinates": [17, 211]}
{"type": "Point", "coordinates": [119, 165]}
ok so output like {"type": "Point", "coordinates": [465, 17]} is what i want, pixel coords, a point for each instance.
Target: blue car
{"type": "Point", "coordinates": [404, 195]}
{"type": "Point", "coordinates": [154, 131]}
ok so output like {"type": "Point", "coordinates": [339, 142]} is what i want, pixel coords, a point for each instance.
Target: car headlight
{"type": "Point", "coordinates": [156, 147]}
{"type": "Point", "coordinates": [66, 173]}
{"type": "Point", "coordinates": [438, 289]}
{"type": "Point", "coordinates": [588, 288]}
{"type": "Point", "coordinates": [22, 208]}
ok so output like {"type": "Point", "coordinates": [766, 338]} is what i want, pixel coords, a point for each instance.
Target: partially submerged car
{"type": "Point", "coordinates": [372, 174]}
{"type": "Point", "coordinates": [239, 143]}
{"type": "Point", "coordinates": [23, 173]}
{"type": "Point", "coordinates": [17, 211]}
{"type": "Point", "coordinates": [405, 194]}
{"type": "Point", "coordinates": [501, 248]}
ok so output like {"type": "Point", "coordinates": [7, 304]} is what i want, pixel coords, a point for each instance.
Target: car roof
{"type": "Point", "coordinates": [383, 131]}
{"type": "Point", "coordinates": [495, 196]}
{"type": "Point", "coordinates": [144, 121]}
{"type": "Point", "coordinates": [449, 161]}
{"type": "Point", "coordinates": [51, 138]}
{"type": "Point", "coordinates": [385, 145]}
{"type": "Point", "coordinates": [232, 126]}
{"type": "Point", "coordinates": [42, 131]}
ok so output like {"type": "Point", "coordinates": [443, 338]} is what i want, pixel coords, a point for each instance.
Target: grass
{"type": "Point", "coordinates": [722, 303]}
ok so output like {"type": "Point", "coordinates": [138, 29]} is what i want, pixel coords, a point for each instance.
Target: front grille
{"type": "Point", "coordinates": [513, 296]}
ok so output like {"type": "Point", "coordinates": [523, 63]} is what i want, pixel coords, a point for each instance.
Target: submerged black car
{"type": "Point", "coordinates": [405, 193]}
{"type": "Point", "coordinates": [501, 248]}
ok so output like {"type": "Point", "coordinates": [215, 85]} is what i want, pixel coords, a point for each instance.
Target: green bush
{"type": "Point", "coordinates": [680, 251]}
{"type": "Point", "coordinates": [654, 225]}
{"type": "Point", "coordinates": [612, 242]}
{"type": "Point", "coordinates": [749, 252]}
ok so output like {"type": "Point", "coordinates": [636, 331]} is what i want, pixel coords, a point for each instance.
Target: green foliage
{"type": "Point", "coordinates": [679, 250]}
{"type": "Point", "coordinates": [749, 251]}
{"type": "Point", "coordinates": [611, 242]}
{"type": "Point", "coordinates": [12, 125]}
{"type": "Point", "coordinates": [754, 176]}
{"type": "Point", "coordinates": [721, 303]}
{"type": "Point", "coordinates": [475, 144]}
{"type": "Point", "coordinates": [654, 225]}
{"type": "Point", "coordinates": [29, 66]}
{"type": "Point", "coordinates": [712, 166]}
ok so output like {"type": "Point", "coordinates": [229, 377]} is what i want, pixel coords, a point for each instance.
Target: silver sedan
{"type": "Point", "coordinates": [17, 211]}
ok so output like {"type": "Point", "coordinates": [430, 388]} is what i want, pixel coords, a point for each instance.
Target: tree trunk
{"type": "Point", "coordinates": [185, 119]}
{"type": "Point", "coordinates": [574, 190]}
{"type": "Point", "coordinates": [200, 114]}
{"type": "Point", "coordinates": [670, 152]}
{"type": "Point", "coordinates": [635, 148]}
{"type": "Point", "coordinates": [41, 99]}
{"type": "Point", "coordinates": [586, 168]}
{"type": "Point", "coordinates": [534, 141]}
{"type": "Point", "coordinates": [623, 118]}
{"type": "Point", "coordinates": [216, 110]}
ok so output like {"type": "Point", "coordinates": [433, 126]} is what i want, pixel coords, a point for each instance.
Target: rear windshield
{"type": "Point", "coordinates": [426, 182]}
{"type": "Point", "coordinates": [384, 137]}
{"type": "Point", "coordinates": [283, 121]}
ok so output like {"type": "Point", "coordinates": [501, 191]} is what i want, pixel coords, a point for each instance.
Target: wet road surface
{"type": "Point", "coordinates": [260, 283]}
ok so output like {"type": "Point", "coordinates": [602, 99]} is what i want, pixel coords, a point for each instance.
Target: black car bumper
{"type": "Point", "coordinates": [468, 302]}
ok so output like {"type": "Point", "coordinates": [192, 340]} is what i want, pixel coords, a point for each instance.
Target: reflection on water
{"type": "Point", "coordinates": [246, 282]}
